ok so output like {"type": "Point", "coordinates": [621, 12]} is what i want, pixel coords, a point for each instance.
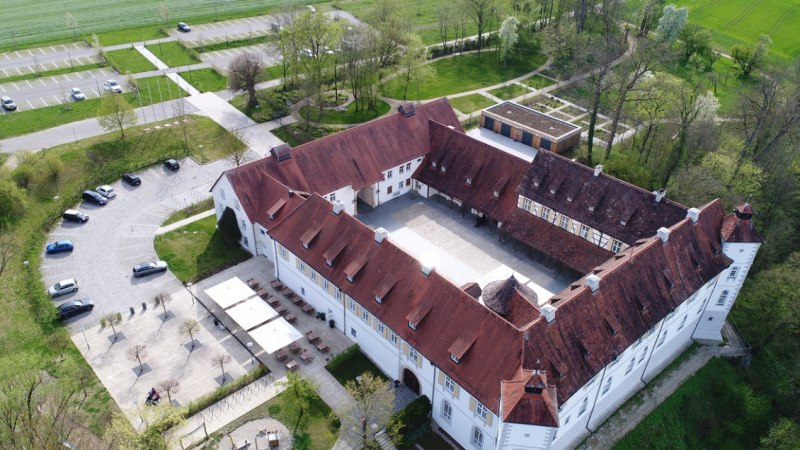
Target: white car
{"type": "Point", "coordinates": [67, 286]}
{"type": "Point", "coordinates": [77, 94]}
{"type": "Point", "coordinates": [106, 191]}
{"type": "Point", "coordinates": [113, 86]}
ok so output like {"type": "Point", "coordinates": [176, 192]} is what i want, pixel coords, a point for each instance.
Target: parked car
{"type": "Point", "coordinates": [106, 191]}
{"type": "Point", "coordinates": [67, 286]}
{"type": "Point", "coordinates": [73, 215]}
{"type": "Point", "coordinates": [60, 246]}
{"type": "Point", "coordinates": [183, 27]}
{"type": "Point", "coordinates": [74, 307]}
{"type": "Point", "coordinates": [149, 268]}
{"type": "Point", "coordinates": [172, 165]}
{"type": "Point", "coordinates": [94, 197]}
{"type": "Point", "coordinates": [132, 179]}
{"type": "Point", "coordinates": [113, 86]}
{"type": "Point", "coordinates": [8, 104]}
{"type": "Point", "coordinates": [77, 94]}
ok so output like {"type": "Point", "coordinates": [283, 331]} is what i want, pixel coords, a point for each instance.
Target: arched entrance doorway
{"type": "Point", "coordinates": [410, 380]}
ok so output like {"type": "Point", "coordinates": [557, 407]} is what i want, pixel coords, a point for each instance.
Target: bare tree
{"type": "Point", "coordinates": [373, 402]}
{"type": "Point", "coordinates": [161, 300]}
{"type": "Point", "coordinates": [413, 67]}
{"type": "Point", "coordinates": [116, 114]}
{"type": "Point", "coordinates": [602, 50]}
{"type": "Point", "coordinates": [190, 327]}
{"type": "Point", "coordinates": [180, 108]}
{"type": "Point", "coordinates": [479, 11]}
{"type": "Point", "coordinates": [170, 386]}
{"type": "Point", "coordinates": [238, 149]}
{"type": "Point", "coordinates": [444, 14]}
{"type": "Point", "coordinates": [72, 23]}
{"type": "Point", "coordinates": [244, 72]}
{"type": "Point", "coordinates": [137, 353]}
{"type": "Point", "coordinates": [111, 320]}
{"type": "Point", "coordinates": [220, 360]}
{"type": "Point", "coordinates": [7, 248]}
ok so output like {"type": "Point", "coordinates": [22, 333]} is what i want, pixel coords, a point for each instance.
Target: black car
{"type": "Point", "coordinates": [183, 27]}
{"type": "Point", "coordinates": [172, 165]}
{"type": "Point", "coordinates": [74, 307]}
{"type": "Point", "coordinates": [132, 179]}
{"type": "Point", "coordinates": [73, 215]}
{"type": "Point", "coordinates": [94, 197]}
{"type": "Point", "coordinates": [149, 268]}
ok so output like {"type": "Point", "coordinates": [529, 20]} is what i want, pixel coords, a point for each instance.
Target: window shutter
{"type": "Point", "coordinates": [405, 349]}
{"type": "Point", "coordinates": [419, 360]}
{"type": "Point", "coordinates": [297, 263]}
{"type": "Point", "coordinates": [441, 378]}
{"type": "Point", "coordinates": [358, 310]}
{"type": "Point", "coordinates": [456, 391]}
{"type": "Point", "coordinates": [385, 332]}
{"type": "Point", "coordinates": [489, 419]}
{"type": "Point", "coordinates": [472, 403]}
{"type": "Point", "coordinates": [374, 323]}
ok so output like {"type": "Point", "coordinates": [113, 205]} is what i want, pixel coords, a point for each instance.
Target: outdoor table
{"type": "Point", "coordinates": [306, 357]}
{"type": "Point", "coordinates": [290, 318]}
{"type": "Point", "coordinates": [280, 309]}
{"type": "Point", "coordinates": [294, 347]}
{"type": "Point", "coordinates": [308, 309]}
{"type": "Point", "coordinates": [322, 347]}
{"type": "Point", "coordinates": [292, 365]}
{"type": "Point", "coordinates": [281, 355]}
{"type": "Point", "coordinates": [312, 337]}
{"type": "Point", "coordinates": [273, 301]}
{"type": "Point", "coordinates": [297, 300]}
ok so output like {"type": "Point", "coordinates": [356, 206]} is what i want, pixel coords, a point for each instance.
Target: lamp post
{"type": "Point", "coordinates": [252, 356]}
{"type": "Point", "coordinates": [189, 288]}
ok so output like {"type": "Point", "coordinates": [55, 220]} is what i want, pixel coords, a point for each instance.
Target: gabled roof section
{"type": "Point", "coordinates": [738, 227]}
{"type": "Point", "coordinates": [613, 206]}
{"type": "Point", "coordinates": [265, 200]}
{"type": "Point", "coordinates": [463, 343]}
{"type": "Point", "coordinates": [311, 233]}
{"type": "Point", "coordinates": [386, 285]}
{"type": "Point", "coordinates": [522, 404]}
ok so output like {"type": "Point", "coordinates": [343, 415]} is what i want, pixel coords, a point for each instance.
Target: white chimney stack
{"type": "Point", "coordinates": [427, 269]}
{"type": "Point", "coordinates": [380, 234]}
{"type": "Point", "coordinates": [549, 312]}
{"type": "Point", "coordinates": [660, 194]}
{"type": "Point", "coordinates": [593, 281]}
{"type": "Point", "coordinates": [338, 207]}
{"type": "Point", "coordinates": [693, 214]}
{"type": "Point", "coordinates": [663, 234]}
{"type": "Point", "coordinates": [598, 169]}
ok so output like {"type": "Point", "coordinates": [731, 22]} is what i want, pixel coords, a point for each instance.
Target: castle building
{"type": "Point", "coordinates": [503, 366]}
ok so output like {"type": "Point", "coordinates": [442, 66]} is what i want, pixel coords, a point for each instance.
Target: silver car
{"type": "Point", "coordinates": [67, 286]}
{"type": "Point", "coordinates": [149, 268]}
{"type": "Point", "coordinates": [113, 86]}
{"type": "Point", "coordinates": [106, 191]}
{"type": "Point", "coordinates": [77, 94]}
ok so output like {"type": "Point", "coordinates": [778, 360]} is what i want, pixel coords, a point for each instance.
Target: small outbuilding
{"type": "Point", "coordinates": [531, 127]}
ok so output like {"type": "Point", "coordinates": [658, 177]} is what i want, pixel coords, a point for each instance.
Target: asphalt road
{"type": "Point", "coordinates": [120, 235]}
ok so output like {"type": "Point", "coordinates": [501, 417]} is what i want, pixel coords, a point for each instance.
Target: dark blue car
{"type": "Point", "coordinates": [60, 246]}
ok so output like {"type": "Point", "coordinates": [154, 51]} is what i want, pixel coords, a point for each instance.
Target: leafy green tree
{"type": "Point", "coordinates": [695, 40]}
{"type": "Point", "coordinates": [155, 420]}
{"type": "Point", "coordinates": [413, 67]}
{"type": "Point", "coordinates": [508, 38]}
{"type": "Point", "coordinates": [229, 226]}
{"type": "Point", "coordinates": [750, 57]}
{"type": "Point", "coordinates": [671, 22]}
{"type": "Point", "coordinates": [371, 409]}
{"type": "Point", "coordinates": [12, 202]}
{"type": "Point", "coordinates": [299, 393]}
{"type": "Point", "coordinates": [783, 435]}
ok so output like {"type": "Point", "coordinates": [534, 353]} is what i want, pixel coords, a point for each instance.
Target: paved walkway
{"type": "Point", "coordinates": [167, 228]}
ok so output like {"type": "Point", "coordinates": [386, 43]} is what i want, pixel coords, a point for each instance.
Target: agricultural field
{"type": "Point", "coordinates": [33, 21]}
{"type": "Point", "coordinates": [743, 21]}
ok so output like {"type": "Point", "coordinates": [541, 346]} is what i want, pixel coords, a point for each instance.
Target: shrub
{"type": "Point", "coordinates": [54, 166]}
{"type": "Point", "coordinates": [12, 202]}
{"type": "Point", "coordinates": [23, 175]}
{"type": "Point", "coordinates": [414, 416]}
{"type": "Point", "coordinates": [345, 356]}
{"type": "Point", "coordinates": [226, 390]}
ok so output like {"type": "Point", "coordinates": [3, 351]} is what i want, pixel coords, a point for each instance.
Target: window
{"type": "Point", "coordinates": [722, 298]}
{"type": "Point", "coordinates": [284, 253]}
{"type": "Point", "coordinates": [381, 328]}
{"type": "Point", "coordinates": [402, 169]}
{"type": "Point", "coordinates": [477, 437]}
{"type": "Point", "coordinates": [630, 365]}
{"type": "Point", "coordinates": [263, 233]}
{"type": "Point", "coordinates": [732, 274]}
{"type": "Point", "coordinates": [584, 404]}
{"type": "Point", "coordinates": [584, 232]}
{"type": "Point", "coordinates": [393, 338]}
{"type": "Point", "coordinates": [447, 411]}
{"type": "Point", "coordinates": [332, 197]}
{"type": "Point", "coordinates": [408, 182]}
{"type": "Point", "coordinates": [644, 354]}
{"type": "Point", "coordinates": [364, 315]}
{"type": "Point", "coordinates": [313, 275]}
{"type": "Point", "coordinates": [302, 290]}
{"type": "Point", "coordinates": [454, 358]}
{"type": "Point", "coordinates": [663, 338]}
{"type": "Point", "coordinates": [408, 165]}
{"type": "Point", "coordinates": [389, 174]}
{"type": "Point", "coordinates": [244, 225]}
{"type": "Point", "coordinates": [388, 189]}
{"type": "Point", "coordinates": [400, 186]}
{"type": "Point", "coordinates": [412, 353]}
{"type": "Point", "coordinates": [481, 411]}
{"type": "Point", "coordinates": [545, 213]}
{"type": "Point", "coordinates": [449, 384]}
{"type": "Point", "coordinates": [353, 332]}
{"type": "Point", "coordinates": [683, 321]}
{"type": "Point", "coordinates": [566, 421]}
{"type": "Point", "coordinates": [245, 242]}
{"type": "Point", "coordinates": [608, 385]}
{"type": "Point", "coordinates": [338, 294]}
{"type": "Point", "coordinates": [222, 193]}
{"type": "Point", "coordinates": [351, 305]}
{"type": "Point", "coordinates": [302, 266]}
{"type": "Point", "coordinates": [412, 325]}
{"type": "Point", "coordinates": [325, 284]}
{"type": "Point", "coordinates": [236, 204]}
{"type": "Point", "coordinates": [564, 222]}
{"type": "Point", "coordinates": [526, 204]}
{"type": "Point", "coordinates": [616, 246]}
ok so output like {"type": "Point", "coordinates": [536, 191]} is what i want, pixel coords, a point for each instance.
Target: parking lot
{"type": "Point", "coordinates": [226, 30]}
{"type": "Point", "coordinates": [40, 59]}
{"type": "Point", "coordinates": [223, 58]}
{"type": "Point", "coordinates": [54, 90]}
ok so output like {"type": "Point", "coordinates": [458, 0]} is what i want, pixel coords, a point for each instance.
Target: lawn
{"type": "Point", "coordinates": [743, 21]}
{"type": "Point", "coordinates": [467, 72]}
{"type": "Point", "coordinates": [206, 80]}
{"type": "Point", "coordinates": [471, 103]}
{"type": "Point", "coordinates": [129, 60]}
{"type": "Point", "coordinates": [173, 54]}
{"type": "Point", "coordinates": [296, 133]}
{"type": "Point", "coordinates": [348, 116]}
{"type": "Point", "coordinates": [273, 103]}
{"type": "Point", "coordinates": [714, 409]}
{"type": "Point", "coordinates": [198, 250]}
{"type": "Point", "coordinates": [352, 363]}
{"type": "Point", "coordinates": [48, 73]}
{"type": "Point", "coordinates": [190, 211]}
{"type": "Point", "coordinates": [23, 122]}
{"type": "Point", "coordinates": [509, 91]}
{"type": "Point", "coordinates": [538, 82]}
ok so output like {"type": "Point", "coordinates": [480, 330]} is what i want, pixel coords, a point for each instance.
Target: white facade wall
{"type": "Point", "coordinates": [345, 195]}
{"type": "Point", "coordinates": [397, 180]}
{"type": "Point", "coordinates": [224, 196]}
{"type": "Point", "coordinates": [464, 420]}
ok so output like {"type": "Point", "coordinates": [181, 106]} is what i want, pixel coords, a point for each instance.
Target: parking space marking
{"type": "Point", "coordinates": [28, 83]}
{"type": "Point", "coordinates": [2, 89]}
{"type": "Point", "coordinates": [58, 100]}
{"type": "Point", "coordinates": [4, 72]}
{"type": "Point", "coordinates": [18, 71]}
{"type": "Point", "coordinates": [42, 81]}
{"type": "Point", "coordinates": [96, 93]}
{"type": "Point", "coordinates": [6, 55]}
{"type": "Point", "coordinates": [15, 86]}
{"type": "Point", "coordinates": [42, 50]}
{"type": "Point", "coordinates": [29, 103]}
{"type": "Point", "coordinates": [54, 79]}
{"type": "Point", "coordinates": [67, 77]}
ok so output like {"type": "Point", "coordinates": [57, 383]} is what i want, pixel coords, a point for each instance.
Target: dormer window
{"type": "Point", "coordinates": [329, 262]}
{"type": "Point", "coordinates": [412, 325]}
{"type": "Point", "coordinates": [444, 168]}
{"type": "Point", "coordinates": [469, 181]}
{"type": "Point", "coordinates": [454, 358]}
{"type": "Point", "coordinates": [350, 278]}
{"type": "Point", "coordinates": [378, 299]}
{"type": "Point", "coordinates": [433, 164]}
{"type": "Point", "coordinates": [496, 193]}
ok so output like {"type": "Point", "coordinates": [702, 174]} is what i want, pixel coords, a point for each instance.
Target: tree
{"type": "Point", "coordinates": [244, 72]}
{"type": "Point", "coordinates": [220, 360]}
{"type": "Point", "coordinates": [508, 37]}
{"type": "Point", "coordinates": [116, 114]}
{"type": "Point", "coordinates": [388, 33]}
{"type": "Point", "coordinates": [236, 144]}
{"type": "Point", "coordinates": [7, 248]}
{"type": "Point", "coordinates": [12, 201]}
{"type": "Point", "coordinates": [180, 109]}
{"type": "Point", "coordinates": [137, 353]}
{"type": "Point", "coordinates": [651, 104]}
{"type": "Point", "coordinates": [413, 59]}
{"type": "Point", "coordinates": [72, 23]}
{"type": "Point", "coordinates": [111, 320]}
{"type": "Point", "coordinates": [444, 14]}
{"type": "Point", "coordinates": [169, 386]}
{"type": "Point", "coordinates": [190, 327]}
{"type": "Point", "coordinates": [651, 11]}
{"type": "Point", "coordinates": [229, 226]}
{"type": "Point", "coordinates": [694, 105]}
{"type": "Point", "coordinates": [300, 392]}
{"type": "Point", "coordinates": [479, 11]}
{"type": "Point", "coordinates": [602, 51]}
{"type": "Point", "coordinates": [748, 58]}
{"type": "Point", "coordinates": [783, 435]}
{"type": "Point", "coordinates": [695, 40]}
{"type": "Point", "coordinates": [317, 37]}
{"type": "Point", "coordinates": [671, 22]}
{"type": "Point", "coordinates": [161, 300]}
{"type": "Point", "coordinates": [156, 421]}
{"type": "Point", "coordinates": [372, 407]}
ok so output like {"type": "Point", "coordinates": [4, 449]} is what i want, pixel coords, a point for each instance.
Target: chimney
{"type": "Point", "coordinates": [380, 234]}
{"type": "Point", "coordinates": [593, 281]}
{"type": "Point", "coordinates": [549, 312]}
{"type": "Point", "coordinates": [663, 234]}
{"type": "Point", "coordinates": [338, 207]}
{"type": "Point", "coordinates": [598, 169]}
{"type": "Point", "coordinates": [291, 193]}
{"type": "Point", "coordinates": [693, 214]}
{"type": "Point", "coordinates": [660, 194]}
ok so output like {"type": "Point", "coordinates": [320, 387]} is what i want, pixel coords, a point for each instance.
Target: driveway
{"type": "Point", "coordinates": [120, 235]}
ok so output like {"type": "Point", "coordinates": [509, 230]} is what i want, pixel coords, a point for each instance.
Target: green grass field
{"type": "Point", "coordinates": [509, 91]}
{"type": "Point", "coordinates": [471, 103]}
{"type": "Point", "coordinates": [538, 82]}
{"type": "Point", "coordinates": [743, 21]}
{"type": "Point", "coordinates": [129, 60]}
{"type": "Point", "coordinates": [348, 116]}
{"type": "Point", "coordinates": [173, 54]}
{"type": "Point", "coordinates": [206, 80]}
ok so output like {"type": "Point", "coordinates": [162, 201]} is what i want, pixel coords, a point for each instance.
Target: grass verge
{"type": "Point", "coordinates": [190, 211]}
{"type": "Point", "coordinates": [206, 80]}
{"type": "Point", "coordinates": [296, 134]}
{"type": "Point", "coordinates": [538, 82]}
{"type": "Point", "coordinates": [509, 91]}
{"type": "Point", "coordinates": [348, 116]}
{"type": "Point", "coordinates": [471, 103]}
{"type": "Point", "coordinates": [351, 363]}
{"type": "Point", "coordinates": [129, 60]}
{"type": "Point", "coordinates": [273, 103]}
{"type": "Point", "coordinates": [50, 73]}
{"type": "Point", "coordinates": [198, 250]}
{"type": "Point", "coordinates": [173, 53]}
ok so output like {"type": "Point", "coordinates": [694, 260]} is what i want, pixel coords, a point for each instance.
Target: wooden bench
{"type": "Point", "coordinates": [290, 318]}
{"type": "Point", "coordinates": [294, 347]}
{"type": "Point", "coordinates": [280, 309]}
{"type": "Point", "coordinates": [297, 300]}
{"type": "Point", "coordinates": [306, 356]}
{"type": "Point", "coordinates": [281, 355]}
{"type": "Point", "coordinates": [273, 301]}
{"type": "Point", "coordinates": [308, 309]}
{"type": "Point", "coordinates": [292, 365]}
{"type": "Point", "coordinates": [276, 284]}
{"type": "Point", "coordinates": [312, 337]}
{"type": "Point", "coordinates": [322, 347]}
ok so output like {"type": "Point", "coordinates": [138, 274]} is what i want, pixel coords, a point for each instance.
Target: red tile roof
{"type": "Point", "coordinates": [619, 209]}
{"type": "Point", "coordinates": [521, 406]}
{"type": "Point", "coordinates": [738, 227]}
{"type": "Point", "coordinates": [265, 200]}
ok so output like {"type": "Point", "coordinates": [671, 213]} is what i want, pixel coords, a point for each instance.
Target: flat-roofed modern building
{"type": "Point", "coordinates": [531, 127]}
